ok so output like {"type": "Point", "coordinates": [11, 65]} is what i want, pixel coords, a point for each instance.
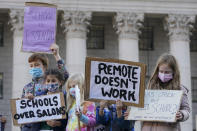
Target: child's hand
{"type": "Point", "coordinates": [119, 108]}
{"type": "Point", "coordinates": [179, 116]}
{"type": "Point", "coordinates": [78, 113]}
{"type": "Point", "coordinates": [49, 93]}
{"type": "Point", "coordinates": [55, 50]}
{"type": "Point", "coordinates": [53, 123]}
{"type": "Point", "coordinates": [126, 114]}
{"type": "Point", "coordinates": [3, 119]}
{"type": "Point", "coordinates": [29, 96]}
{"type": "Point", "coordinates": [119, 105]}
{"type": "Point", "coordinates": [103, 104]}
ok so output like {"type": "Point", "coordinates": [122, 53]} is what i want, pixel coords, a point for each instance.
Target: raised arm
{"type": "Point", "coordinates": [103, 115]}
{"type": "Point", "coordinates": [60, 62]}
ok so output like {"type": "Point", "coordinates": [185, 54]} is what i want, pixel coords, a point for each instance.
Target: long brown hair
{"type": "Point", "coordinates": [174, 84]}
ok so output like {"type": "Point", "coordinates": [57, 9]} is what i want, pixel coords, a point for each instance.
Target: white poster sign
{"type": "Point", "coordinates": [42, 108]}
{"type": "Point", "coordinates": [110, 79]}
{"type": "Point", "coordinates": [159, 105]}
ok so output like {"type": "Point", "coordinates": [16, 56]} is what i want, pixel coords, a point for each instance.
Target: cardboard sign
{"type": "Point", "coordinates": [110, 79]}
{"type": "Point", "coordinates": [159, 105]}
{"type": "Point", "coordinates": [39, 27]}
{"type": "Point", "coordinates": [41, 108]}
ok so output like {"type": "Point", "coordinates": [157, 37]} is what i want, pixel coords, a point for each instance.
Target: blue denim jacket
{"type": "Point", "coordinates": [112, 122]}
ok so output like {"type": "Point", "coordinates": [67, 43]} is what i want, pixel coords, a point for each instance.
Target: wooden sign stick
{"type": "Point", "coordinates": [79, 127]}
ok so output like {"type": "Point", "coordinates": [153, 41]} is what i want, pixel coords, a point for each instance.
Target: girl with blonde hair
{"type": "Point", "coordinates": [86, 115]}
{"type": "Point", "coordinates": [166, 76]}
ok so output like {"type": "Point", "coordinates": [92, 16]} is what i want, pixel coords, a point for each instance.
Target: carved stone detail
{"type": "Point", "coordinates": [16, 19]}
{"type": "Point", "coordinates": [179, 26]}
{"type": "Point", "coordinates": [75, 23]}
{"type": "Point", "coordinates": [128, 24]}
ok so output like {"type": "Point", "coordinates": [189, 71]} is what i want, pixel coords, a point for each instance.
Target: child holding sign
{"type": "Point", "coordinates": [113, 117]}
{"type": "Point", "coordinates": [54, 81]}
{"type": "Point", "coordinates": [84, 119]}
{"type": "Point", "coordinates": [166, 76]}
{"type": "Point", "coordinates": [38, 64]}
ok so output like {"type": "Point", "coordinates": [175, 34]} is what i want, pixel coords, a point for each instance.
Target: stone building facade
{"type": "Point", "coordinates": [135, 30]}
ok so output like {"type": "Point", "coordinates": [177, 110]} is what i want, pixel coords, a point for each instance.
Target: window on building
{"type": "Point", "coordinates": [96, 37]}
{"type": "Point", "coordinates": [1, 85]}
{"type": "Point", "coordinates": [146, 38]}
{"type": "Point", "coordinates": [194, 89]}
{"type": "Point", "coordinates": [1, 34]}
{"type": "Point", "coordinates": [193, 40]}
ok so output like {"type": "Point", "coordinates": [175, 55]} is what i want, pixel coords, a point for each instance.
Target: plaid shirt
{"type": "Point", "coordinates": [36, 86]}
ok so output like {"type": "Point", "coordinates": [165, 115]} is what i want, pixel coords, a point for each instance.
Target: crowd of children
{"type": "Point", "coordinates": [47, 81]}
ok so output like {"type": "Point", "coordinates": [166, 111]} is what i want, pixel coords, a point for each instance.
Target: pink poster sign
{"type": "Point", "coordinates": [39, 28]}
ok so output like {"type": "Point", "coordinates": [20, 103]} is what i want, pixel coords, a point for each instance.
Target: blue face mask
{"type": "Point", "coordinates": [72, 92]}
{"type": "Point", "coordinates": [52, 87]}
{"type": "Point", "coordinates": [36, 72]}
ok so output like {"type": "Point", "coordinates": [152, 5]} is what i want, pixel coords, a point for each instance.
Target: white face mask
{"type": "Point", "coordinates": [165, 77]}
{"type": "Point", "coordinates": [72, 92]}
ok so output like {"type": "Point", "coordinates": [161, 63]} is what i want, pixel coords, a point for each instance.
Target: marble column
{"type": "Point", "coordinates": [127, 27]}
{"type": "Point", "coordinates": [75, 24]}
{"type": "Point", "coordinates": [179, 29]}
{"type": "Point", "coordinates": [20, 59]}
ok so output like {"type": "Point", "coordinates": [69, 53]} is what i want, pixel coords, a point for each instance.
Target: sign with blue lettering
{"type": "Point", "coordinates": [41, 108]}
{"type": "Point", "coordinates": [111, 79]}
{"type": "Point", "coordinates": [159, 105]}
